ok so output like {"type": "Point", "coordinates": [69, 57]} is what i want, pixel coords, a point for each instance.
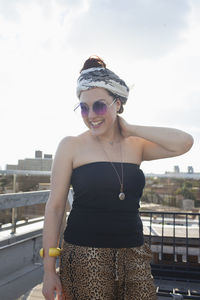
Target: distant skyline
{"type": "Point", "coordinates": [154, 46]}
{"type": "Point", "coordinates": [171, 170]}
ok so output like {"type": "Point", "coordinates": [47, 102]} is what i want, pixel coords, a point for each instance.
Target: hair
{"type": "Point", "coordinates": [95, 61]}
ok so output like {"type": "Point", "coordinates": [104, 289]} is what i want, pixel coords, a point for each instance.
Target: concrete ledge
{"type": "Point", "coordinates": [19, 273]}
{"type": "Point", "coordinates": [27, 199]}
{"type": "Point", "coordinates": [22, 233]}
{"type": "Point", "coordinates": [20, 284]}
{"type": "Point", "coordinates": [36, 293]}
{"type": "Point", "coordinates": [23, 199]}
{"type": "Point", "coordinates": [20, 254]}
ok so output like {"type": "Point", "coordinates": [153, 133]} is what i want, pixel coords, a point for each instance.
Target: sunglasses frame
{"type": "Point", "coordinates": [101, 100]}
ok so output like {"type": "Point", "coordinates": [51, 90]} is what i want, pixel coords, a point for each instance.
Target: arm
{"type": "Point", "coordinates": [158, 142]}
{"type": "Point", "coordinates": [54, 211]}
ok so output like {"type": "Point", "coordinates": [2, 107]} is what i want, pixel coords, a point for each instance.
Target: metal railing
{"type": "Point", "coordinates": [17, 200]}
{"type": "Point", "coordinates": [178, 294]}
{"type": "Point", "coordinates": [174, 233]}
{"type": "Point", "coordinates": [174, 238]}
{"type": "Point", "coordinates": [20, 239]}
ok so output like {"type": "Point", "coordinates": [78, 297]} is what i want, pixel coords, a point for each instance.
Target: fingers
{"type": "Point", "coordinates": [64, 296]}
{"type": "Point", "coordinates": [59, 291]}
{"type": "Point", "coordinates": [60, 295]}
{"type": "Point", "coordinates": [52, 288]}
{"type": "Point", "coordinates": [51, 295]}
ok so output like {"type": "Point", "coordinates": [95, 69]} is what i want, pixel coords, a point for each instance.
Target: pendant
{"type": "Point", "coordinates": [121, 196]}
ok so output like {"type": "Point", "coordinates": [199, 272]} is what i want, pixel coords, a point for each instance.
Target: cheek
{"type": "Point", "coordinates": [111, 117]}
{"type": "Point", "coordinates": [85, 120]}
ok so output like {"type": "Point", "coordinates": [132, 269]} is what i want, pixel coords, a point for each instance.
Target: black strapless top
{"type": "Point", "coordinates": [98, 217]}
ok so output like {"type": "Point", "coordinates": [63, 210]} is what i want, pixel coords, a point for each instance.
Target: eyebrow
{"type": "Point", "coordinates": [94, 101]}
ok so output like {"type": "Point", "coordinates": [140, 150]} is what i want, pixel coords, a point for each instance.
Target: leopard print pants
{"type": "Point", "coordinates": [89, 273]}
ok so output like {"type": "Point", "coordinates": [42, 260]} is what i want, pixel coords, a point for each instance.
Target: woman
{"type": "Point", "coordinates": [103, 254]}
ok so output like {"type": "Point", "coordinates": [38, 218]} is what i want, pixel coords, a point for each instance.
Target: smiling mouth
{"type": "Point", "coordinates": [96, 124]}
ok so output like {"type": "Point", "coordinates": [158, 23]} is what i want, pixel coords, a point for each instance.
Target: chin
{"type": "Point", "coordinates": [97, 132]}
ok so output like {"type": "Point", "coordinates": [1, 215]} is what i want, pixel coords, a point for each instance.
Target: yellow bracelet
{"type": "Point", "coordinates": [52, 252]}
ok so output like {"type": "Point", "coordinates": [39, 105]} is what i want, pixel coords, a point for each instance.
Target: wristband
{"type": "Point", "coordinates": [52, 252]}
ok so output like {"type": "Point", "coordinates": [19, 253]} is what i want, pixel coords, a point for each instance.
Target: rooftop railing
{"type": "Point", "coordinates": [174, 237]}
{"type": "Point", "coordinates": [14, 201]}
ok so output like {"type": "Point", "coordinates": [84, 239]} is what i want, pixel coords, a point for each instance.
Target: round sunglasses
{"type": "Point", "coordinates": [99, 107]}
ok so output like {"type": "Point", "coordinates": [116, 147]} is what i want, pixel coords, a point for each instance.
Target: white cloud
{"type": "Point", "coordinates": [140, 28]}
{"type": "Point", "coordinates": [43, 45]}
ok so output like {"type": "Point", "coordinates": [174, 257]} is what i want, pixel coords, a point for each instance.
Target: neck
{"type": "Point", "coordinates": [111, 140]}
{"type": "Point", "coordinates": [112, 136]}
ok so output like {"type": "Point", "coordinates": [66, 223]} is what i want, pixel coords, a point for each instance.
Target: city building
{"type": "Point", "coordinates": [178, 174]}
{"type": "Point", "coordinates": [190, 170]}
{"type": "Point", "coordinates": [38, 163]}
{"type": "Point", "coordinates": [176, 169]}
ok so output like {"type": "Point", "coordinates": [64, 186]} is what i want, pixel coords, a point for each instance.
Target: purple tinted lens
{"type": "Point", "coordinates": [100, 108]}
{"type": "Point", "coordinates": [84, 109]}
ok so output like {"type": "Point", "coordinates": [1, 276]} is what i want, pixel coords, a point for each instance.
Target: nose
{"type": "Point", "coordinates": [91, 114]}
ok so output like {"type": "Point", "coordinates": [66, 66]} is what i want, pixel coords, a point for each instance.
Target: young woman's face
{"type": "Point", "coordinates": [99, 111]}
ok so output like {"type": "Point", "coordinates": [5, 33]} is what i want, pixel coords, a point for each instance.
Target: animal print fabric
{"type": "Point", "coordinates": [89, 273]}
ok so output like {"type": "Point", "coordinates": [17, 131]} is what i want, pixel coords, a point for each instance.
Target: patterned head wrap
{"type": "Point", "coordinates": [104, 78]}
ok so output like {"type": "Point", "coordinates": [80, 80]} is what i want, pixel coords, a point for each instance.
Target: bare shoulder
{"type": "Point", "coordinates": [67, 141]}
{"type": "Point", "coordinates": [61, 171]}
{"type": "Point", "coordinates": [64, 151]}
{"type": "Point", "coordinates": [81, 138]}
{"type": "Point", "coordinates": [69, 145]}
{"type": "Point", "coordinates": [135, 141]}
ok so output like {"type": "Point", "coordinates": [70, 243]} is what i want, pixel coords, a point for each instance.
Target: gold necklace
{"type": "Point", "coordinates": [121, 181]}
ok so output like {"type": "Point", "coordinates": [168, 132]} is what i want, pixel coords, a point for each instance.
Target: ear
{"type": "Point", "coordinates": [118, 102]}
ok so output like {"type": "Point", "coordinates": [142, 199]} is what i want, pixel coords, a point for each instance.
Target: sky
{"type": "Point", "coordinates": [153, 45]}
